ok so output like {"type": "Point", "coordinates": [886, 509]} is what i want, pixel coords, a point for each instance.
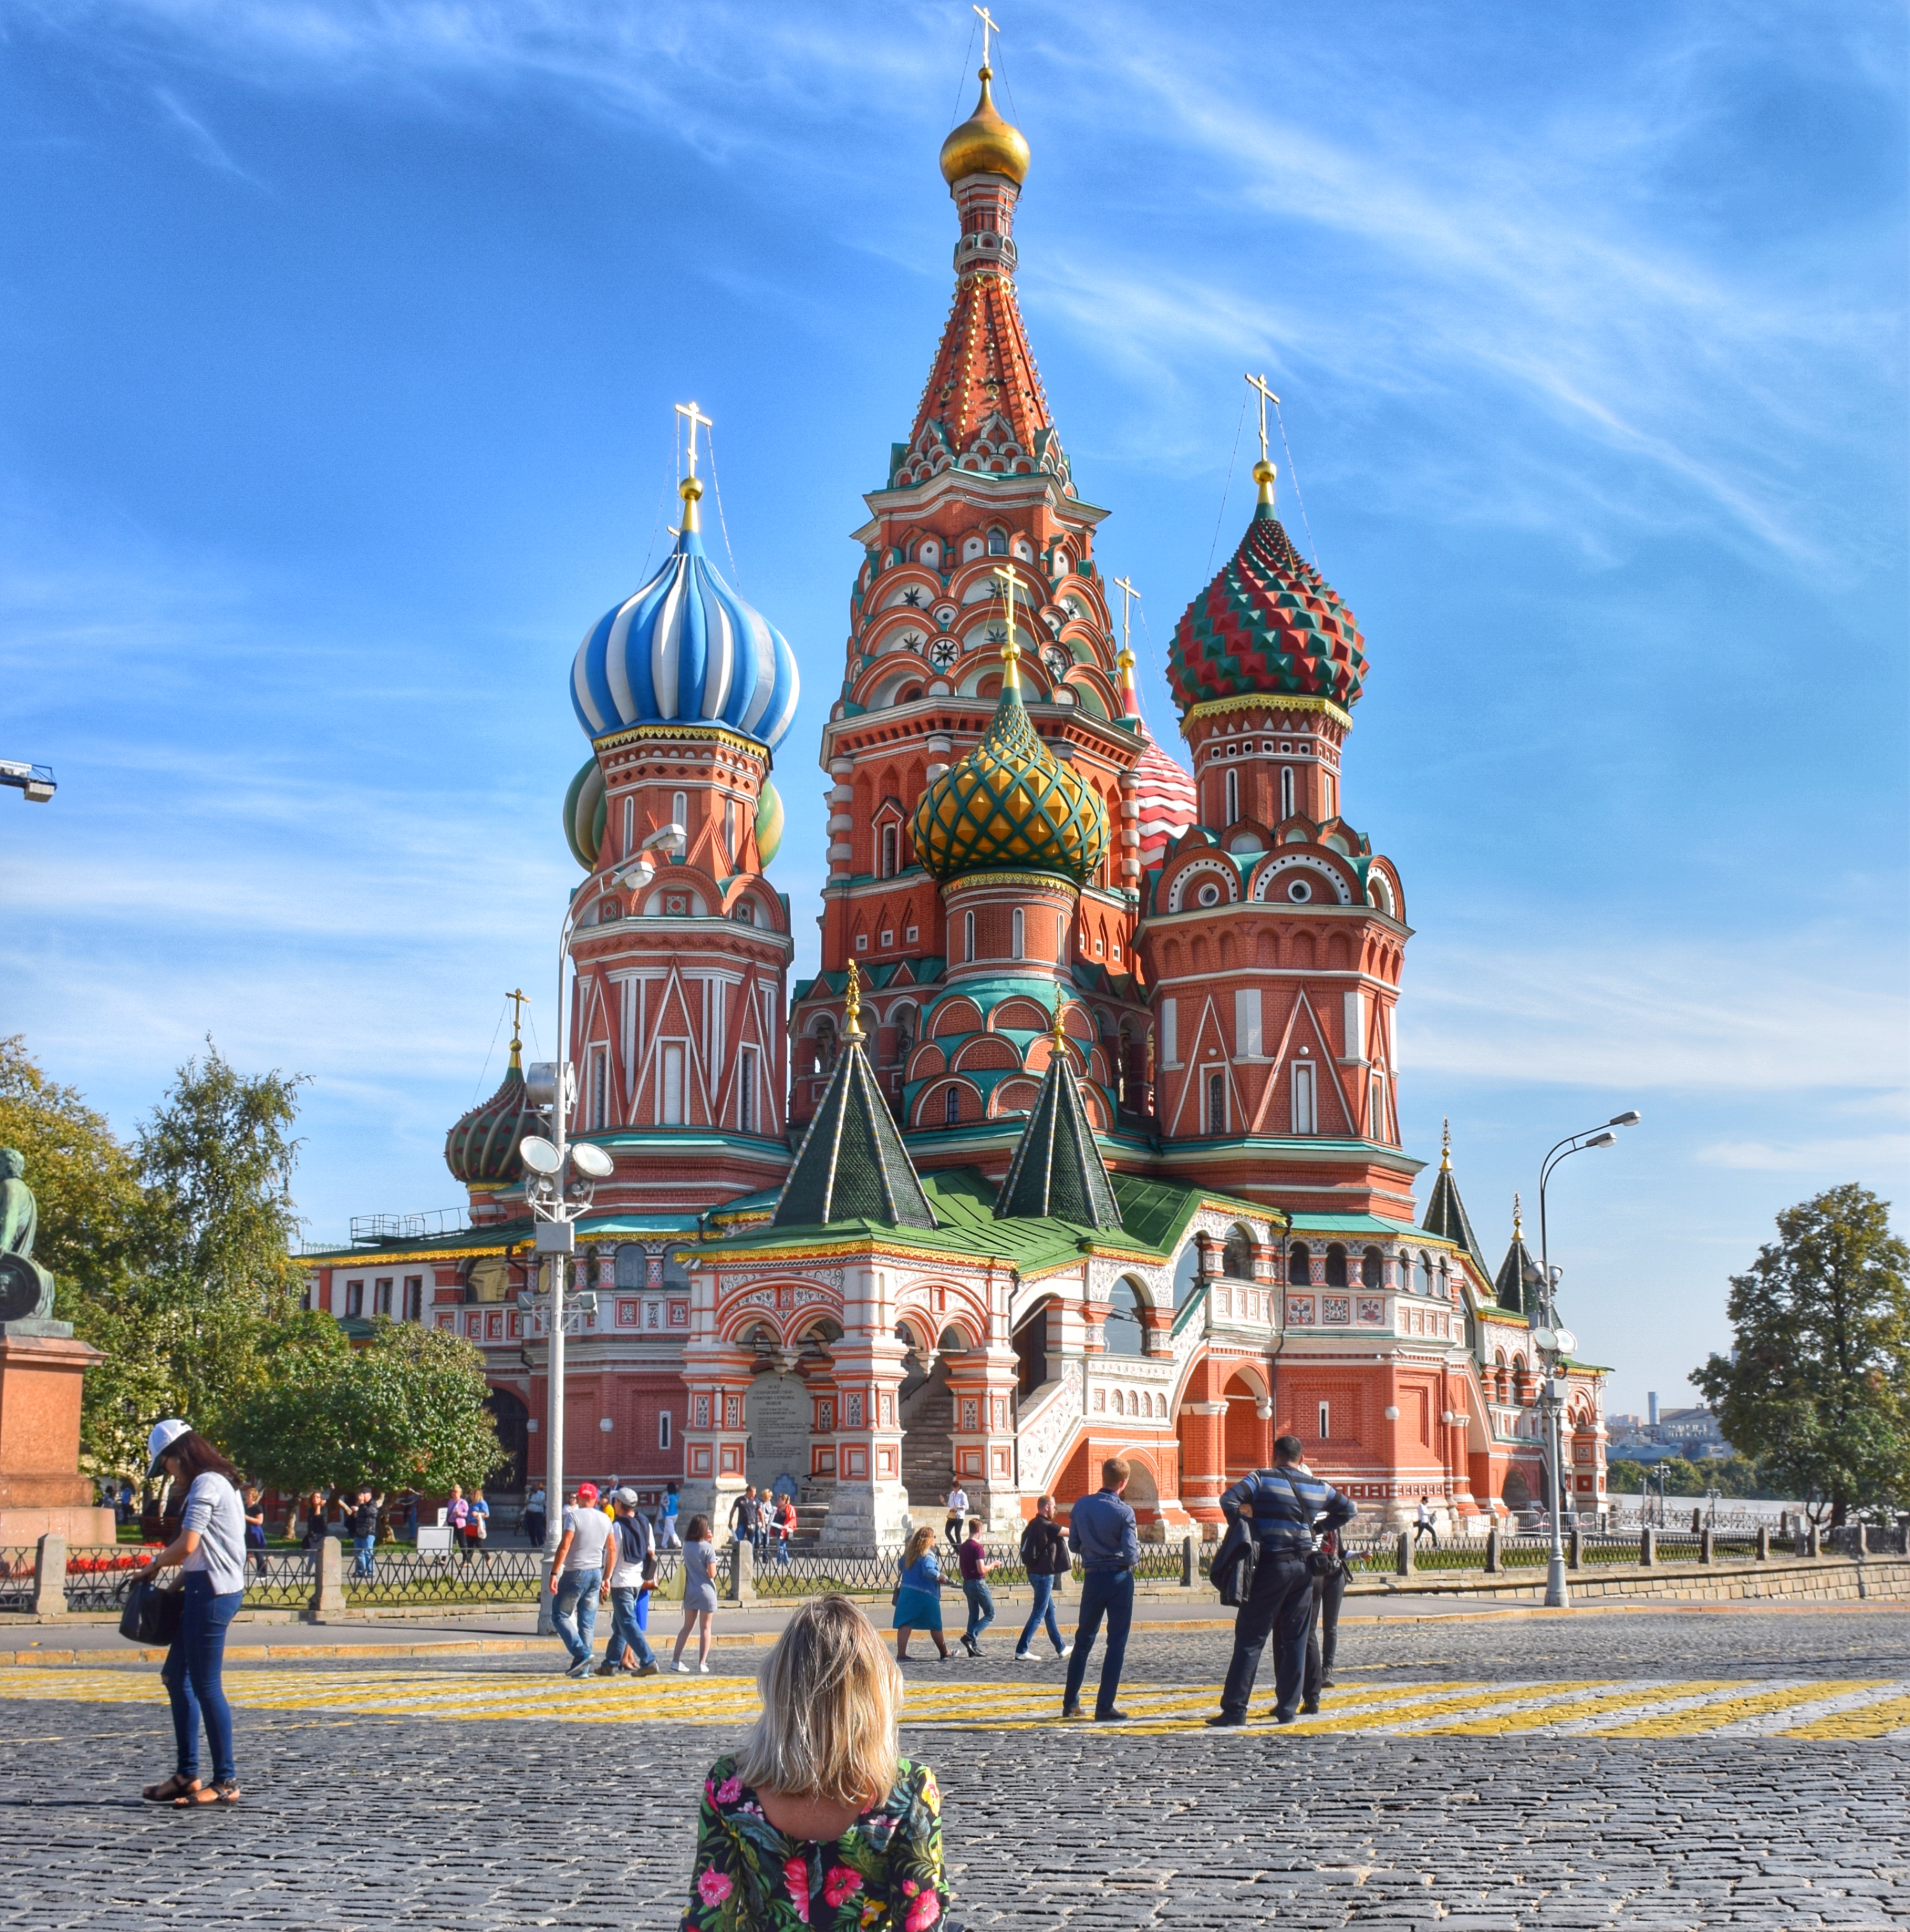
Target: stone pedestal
{"type": "Point", "coordinates": [42, 1492]}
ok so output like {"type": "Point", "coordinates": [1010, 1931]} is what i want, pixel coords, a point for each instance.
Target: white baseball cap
{"type": "Point", "coordinates": [164, 1434]}
{"type": "Point", "coordinates": [625, 1495]}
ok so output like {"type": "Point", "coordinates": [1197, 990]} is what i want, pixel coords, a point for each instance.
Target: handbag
{"type": "Point", "coordinates": [152, 1612]}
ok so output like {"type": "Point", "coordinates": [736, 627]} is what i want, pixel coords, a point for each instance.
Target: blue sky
{"type": "Point", "coordinates": [340, 344]}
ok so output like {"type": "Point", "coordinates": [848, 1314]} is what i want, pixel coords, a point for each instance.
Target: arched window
{"type": "Point", "coordinates": [951, 1105]}
{"type": "Point", "coordinates": [1237, 1258]}
{"type": "Point", "coordinates": [1299, 1265]}
{"type": "Point", "coordinates": [1124, 1330]}
{"type": "Point", "coordinates": [679, 809]}
{"type": "Point", "coordinates": [1336, 1266]}
{"type": "Point", "coordinates": [632, 1266]}
{"type": "Point", "coordinates": [1286, 791]}
{"type": "Point", "coordinates": [1216, 1103]}
{"type": "Point", "coordinates": [968, 935]}
{"type": "Point", "coordinates": [1186, 1272]}
{"type": "Point", "coordinates": [1018, 927]}
{"type": "Point", "coordinates": [1233, 789]}
{"type": "Point", "coordinates": [825, 1046]}
{"type": "Point", "coordinates": [1419, 1274]}
{"type": "Point", "coordinates": [1372, 1272]}
{"type": "Point", "coordinates": [997, 543]}
{"type": "Point", "coordinates": [890, 835]}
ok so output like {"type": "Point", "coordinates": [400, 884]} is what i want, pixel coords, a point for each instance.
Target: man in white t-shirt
{"type": "Point", "coordinates": [958, 1512]}
{"type": "Point", "coordinates": [577, 1576]}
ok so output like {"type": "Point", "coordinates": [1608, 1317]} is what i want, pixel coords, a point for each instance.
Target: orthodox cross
{"type": "Point", "coordinates": [1129, 593]}
{"type": "Point", "coordinates": [1010, 651]}
{"type": "Point", "coordinates": [695, 416]}
{"type": "Point", "coordinates": [988, 27]}
{"type": "Point", "coordinates": [1266, 396]}
{"type": "Point", "coordinates": [520, 1000]}
{"type": "Point", "coordinates": [1059, 1029]}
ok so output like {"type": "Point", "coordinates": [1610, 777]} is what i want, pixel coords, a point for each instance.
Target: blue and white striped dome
{"type": "Point", "coordinates": [685, 647]}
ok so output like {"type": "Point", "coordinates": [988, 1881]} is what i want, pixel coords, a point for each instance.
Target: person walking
{"type": "Point", "coordinates": [362, 1522]}
{"type": "Point", "coordinates": [576, 1578]}
{"type": "Point", "coordinates": [632, 1552]}
{"type": "Point", "coordinates": [1101, 1531]}
{"type": "Point", "coordinates": [1044, 1557]}
{"type": "Point", "coordinates": [817, 1821]}
{"type": "Point", "coordinates": [673, 1504]}
{"type": "Point", "coordinates": [537, 1518]}
{"type": "Point", "coordinates": [918, 1604]}
{"type": "Point", "coordinates": [458, 1513]}
{"type": "Point", "coordinates": [254, 1500]}
{"type": "Point", "coordinates": [477, 1525]}
{"type": "Point", "coordinates": [972, 1556]}
{"type": "Point", "coordinates": [957, 1515]}
{"type": "Point", "coordinates": [210, 1548]}
{"type": "Point", "coordinates": [766, 1500]}
{"type": "Point", "coordinates": [1285, 1506]}
{"type": "Point", "coordinates": [785, 1528]}
{"type": "Point", "coordinates": [1322, 1627]}
{"type": "Point", "coordinates": [699, 1593]}
{"type": "Point", "coordinates": [1424, 1525]}
{"type": "Point", "coordinates": [743, 1517]}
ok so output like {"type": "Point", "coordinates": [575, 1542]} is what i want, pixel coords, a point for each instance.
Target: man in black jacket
{"type": "Point", "coordinates": [1285, 1505]}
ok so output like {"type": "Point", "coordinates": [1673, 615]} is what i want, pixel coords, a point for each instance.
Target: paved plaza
{"type": "Point", "coordinates": [1641, 1768]}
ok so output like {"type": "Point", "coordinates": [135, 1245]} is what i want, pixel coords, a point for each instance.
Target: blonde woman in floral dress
{"type": "Point", "coordinates": [817, 1822]}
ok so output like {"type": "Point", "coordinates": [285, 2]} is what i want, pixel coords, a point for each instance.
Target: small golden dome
{"type": "Point", "coordinates": [984, 144]}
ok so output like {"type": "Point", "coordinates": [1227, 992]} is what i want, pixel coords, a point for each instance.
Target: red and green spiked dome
{"type": "Point", "coordinates": [1268, 626]}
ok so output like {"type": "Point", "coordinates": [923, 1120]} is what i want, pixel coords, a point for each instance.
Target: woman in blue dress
{"type": "Point", "coordinates": [918, 1595]}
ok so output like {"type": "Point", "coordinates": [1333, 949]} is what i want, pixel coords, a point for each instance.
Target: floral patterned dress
{"type": "Point", "coordinates": [884, 1874]}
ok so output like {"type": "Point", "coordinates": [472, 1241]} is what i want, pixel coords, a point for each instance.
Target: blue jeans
{"type": "Point", "coordinates": [1108, 1593]}
{"type": "Point", "coordinates": [981, 1606]}
{"type": "Point", "coordinates": [1043, 1611]}
{"type": "Point", "coordinates": [364, 1564]}
{"type": "Point", "coordinates": [575, 1611]}
{"type": "Point", "coordinates": [627, 1626]}
{"type": "Point", "coordinates": [193, 1676]}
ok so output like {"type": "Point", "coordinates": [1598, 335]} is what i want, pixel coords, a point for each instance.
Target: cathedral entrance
{"type": "Point", "coordinates": [778, 1457]}
{"type": "Point", "coordinates": [511, 1419]}
{"type": "Point", "coordinates": [926, 1408]}
{"type": "Point", "coordinates": [1247, 1441]}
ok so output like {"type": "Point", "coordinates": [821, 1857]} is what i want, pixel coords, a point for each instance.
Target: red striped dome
{"type": "Point", "coordinates": [1165, 796]}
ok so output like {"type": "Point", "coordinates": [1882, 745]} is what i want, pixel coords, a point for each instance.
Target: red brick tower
{"type": "Point", "coordinates": [1274, 935]}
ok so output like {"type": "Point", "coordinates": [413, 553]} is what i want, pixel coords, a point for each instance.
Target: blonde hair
{"type": "Point", "coordinates": [923, 1539]}
{"type": "Point", "coordinates": [830, 1694]}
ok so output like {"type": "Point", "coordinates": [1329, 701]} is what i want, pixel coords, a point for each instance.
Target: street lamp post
{"type": "Point", "coordinates": [560, 1185]}
{"type": "Point", "coordinates": [1555, 1344]}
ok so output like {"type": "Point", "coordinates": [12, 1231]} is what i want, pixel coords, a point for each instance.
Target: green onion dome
{"type": "Point", "coordinates": [768, 824]}
{"type": "Point", "coordinates": [1268, 626]}
{"type": "Point", "coordinates": [482, 1150]}
{"type": "Point", "coordinates": [1011, 805]}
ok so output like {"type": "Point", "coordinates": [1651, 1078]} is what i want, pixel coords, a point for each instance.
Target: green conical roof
{"type": "Point", "coordinates": [1446, 1215]}
{"type": "Point", "coordinates": [851, 1166]}
{"type": "Point", "coordinates": [1518, 1274]}
{"type": "Point", "coordinates": [1057, 1169]}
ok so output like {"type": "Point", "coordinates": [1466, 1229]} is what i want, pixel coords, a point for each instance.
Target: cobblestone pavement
{"type": "Point", "coordinates": [1660, 1772]}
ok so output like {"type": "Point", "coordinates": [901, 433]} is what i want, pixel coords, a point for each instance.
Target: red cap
{"type": "Point", "coordinates": [587, 1492]}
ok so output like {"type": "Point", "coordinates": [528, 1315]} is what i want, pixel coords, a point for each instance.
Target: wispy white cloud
{"type": "Point", "coordinates": [1828, 1155]}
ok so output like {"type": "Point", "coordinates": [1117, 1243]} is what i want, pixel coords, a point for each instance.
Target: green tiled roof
{"type": "Point", "coordinates": [852, 1164]}
{"type": "Point", "coordinates": [1058, 1169]}
{"type": "Point", "coordinates": [1445, 1216]}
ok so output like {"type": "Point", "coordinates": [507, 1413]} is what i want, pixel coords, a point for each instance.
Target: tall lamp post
{"type": "Point", "coordinates": [1554, 1344]}
{"type": "Point", "coordinates": [560, 1183]}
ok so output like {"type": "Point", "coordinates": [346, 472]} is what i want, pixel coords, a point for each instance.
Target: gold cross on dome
{"type": "Point", "coordinates": [1266, 396]}
{"type": "Point", "coordinates": [988, 27]}
{"type": "Point", "coordinates": [1010, 652]}
{"type": "Point", "coordinates": [519, 999]}
{"type": "Point", "coordinates": [695, 416]}
{"type": "Point", "coordinates": [1060, 1027]}
{"type": "Point", "coordinates": [1129, 593]}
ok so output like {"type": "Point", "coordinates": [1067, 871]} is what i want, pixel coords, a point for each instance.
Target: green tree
{"type": "Point", "coordinates": [405, 1411]}
{"type": "Point", "coordinates": [1818, 1386]}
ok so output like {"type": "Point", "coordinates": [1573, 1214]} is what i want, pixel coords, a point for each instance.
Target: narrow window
{"type": "Point", "coordinates": [951, 1106]}
{"type": "Point", "coordinates": [414, 1297]}
{"type": "Point", "coordinates": [629, 823]}
{"type": "Point", "coordinates": [1169, 1034]}
{"type": "Point", "coordinates": [663, 1429]}
{"type": "Point", "coordinates": [1371, 1274]}
{"type": "Point", "coordinates": [1216, 1104]}
{"type": "Point", "coordinates": [672, 1108]}
{"type": "Point", "coordinates": [997, 543]}
{"type": "Point", "coordinates": [600, 1088]}
{"type": "Point", "coordinates": [1336, 1266]}
{"type": "Point", "coordinates": [1326, 1421]}
{"type": "Point", "coordinates": [679, 809]}
{"type": "Point", "coordinates": [1306, 1116]}
{"type": "Point", "coordinates": [1300, 1265]}
{"type": "Point", "coordinates": [1019, 928]}
{"type": "Point", "coordinates": [1232, 785]}
{"type": "Point", "coordinates": [355, 1298]}
{"type": "Point", "coordinates": [888, 851]}
{"type": "Point", "coordinates": [1286, 791]}
{"type": "Point", "coordinates": [745, 1095]}
{"type": "Point", "coordinates": [381, 1297]}
{"type": "Point", "coordinates": [729, 830]}
{"type": "Point", "coordinates": [968, 935]}
{"type": "Point", "coordinates": [1376, 1125]}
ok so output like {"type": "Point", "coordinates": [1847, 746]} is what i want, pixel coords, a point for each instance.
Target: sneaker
{"type": "Point", "coordinates": [973, 1649]}
{"type": "Point", "coordinates": [703, 1669]}
{"type": "Point", "coordinates": [1223, 1722]}
{"type": "Point", "coordinates": [1066, 1650]}
{"type": "Point", "coordinates": [652, 1669]}
{"type": "Point", "coordinates": [1024, 1657]}
{"type": "Point", "coordinates": [580, 1669]}
{"type": "Point", "coordinates": [609, 1667]}
{"type": "Point", "coordinates": [682, 1670]}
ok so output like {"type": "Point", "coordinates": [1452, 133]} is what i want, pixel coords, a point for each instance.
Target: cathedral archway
{"type": "Point", "coordinates": [511, 1419]}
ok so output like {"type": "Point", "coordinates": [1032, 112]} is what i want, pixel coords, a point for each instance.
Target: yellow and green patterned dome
{"type": "Point", "coordinates": [1010, 805]}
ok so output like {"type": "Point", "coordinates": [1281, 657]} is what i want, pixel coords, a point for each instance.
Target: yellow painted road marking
{"type": "Point", "coordinates": [1873, 1720]}
{"type": "Point", "coordinates": [1580, 1710]}
{"type": "Point", "coordinates": [1714, 1716]}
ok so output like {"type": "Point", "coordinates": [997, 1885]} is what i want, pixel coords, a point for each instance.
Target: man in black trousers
{"type": "Point", "coordinates": [1285, 1506]}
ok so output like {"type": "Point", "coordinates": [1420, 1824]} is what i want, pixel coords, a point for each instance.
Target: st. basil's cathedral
{"type": "Point", "coordinates": [1085, 1138]}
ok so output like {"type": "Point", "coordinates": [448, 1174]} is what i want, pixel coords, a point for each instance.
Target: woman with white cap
{"type": "Point", "coordinates": [210, 1548]}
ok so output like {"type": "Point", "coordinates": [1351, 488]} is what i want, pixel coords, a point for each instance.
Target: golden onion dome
{"type": "Point", "coordinates": [1010, 805]}
{"type": "Point", "coordinates": [986, 144]}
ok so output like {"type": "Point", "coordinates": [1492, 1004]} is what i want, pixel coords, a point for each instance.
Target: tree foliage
{"type": "Point", "coordinates": [1818, 1386]}
{"type": "Point", "coordinates": [1735, 1476]}
{"type": "Point", "coordinates": [406, 1411]}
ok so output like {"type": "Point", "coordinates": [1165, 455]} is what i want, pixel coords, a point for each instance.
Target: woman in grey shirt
{"type": "Point", "coordinates": [699, 1592]}
{"type": "Point", "coordinates": [210, 1548]}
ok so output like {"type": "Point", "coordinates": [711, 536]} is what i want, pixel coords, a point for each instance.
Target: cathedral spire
{"type": "Point", "coordinates": [1445, 1212]}
{"type": "Point", "coordinates": [1057, 1170]}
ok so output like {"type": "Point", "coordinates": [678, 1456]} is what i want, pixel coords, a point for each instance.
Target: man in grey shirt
{"type": "Point", "coordinates": [1102, 1533]}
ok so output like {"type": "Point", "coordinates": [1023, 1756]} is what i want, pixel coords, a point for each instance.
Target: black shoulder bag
{"type": "Point", "coordinates": [152, 1612]}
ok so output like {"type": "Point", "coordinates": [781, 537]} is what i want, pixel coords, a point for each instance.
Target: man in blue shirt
{"type": "Point", "coordinates": [1102, 1533]}
{"type": "Point", "coordinates": [1284, 1505]}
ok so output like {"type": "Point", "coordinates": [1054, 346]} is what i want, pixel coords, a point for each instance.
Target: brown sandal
{"type": "Point", "coordinates": [223, 1791]}
{"type": "Point", "coordinates": [172, 1792]}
